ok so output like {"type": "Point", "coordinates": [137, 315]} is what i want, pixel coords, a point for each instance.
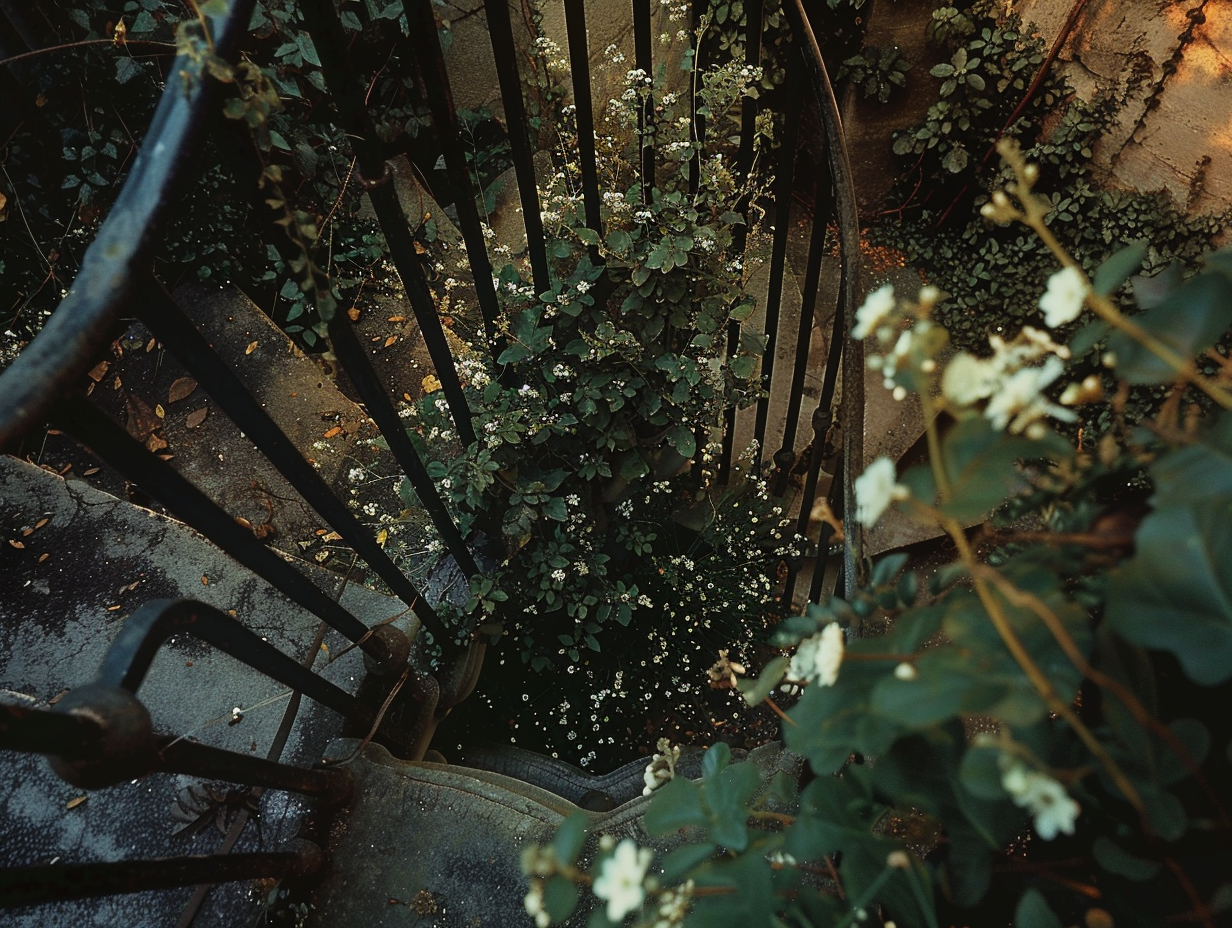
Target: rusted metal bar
{"type": "Point", "coordinates": [20, 886]}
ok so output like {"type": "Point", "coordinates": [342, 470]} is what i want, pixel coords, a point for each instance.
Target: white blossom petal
{"type": "Point", "coordinates": [1062, 301]}
{"type": "Point", "coordinates": [877, 305]}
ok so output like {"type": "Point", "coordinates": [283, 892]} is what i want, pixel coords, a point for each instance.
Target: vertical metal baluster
{"type": "Point", "coordinates": [852, 412]}
{"type": "Point", "coordinates": [79, 418]}
{"type": "Point", "coordinates": [823, 212]}
{"type": "Point", "coordinates": [500, 29]}
{"type": "Point", "coordinates": [834, 498]}
{"type": "Point", "coordinates": [174, 329]}
{"type": "Point", "coordinates": [579, 65]}
{"type": "Point", "coordinates": [645, 120]}
{"type": "Point", "coordinates": [784, 179]}
{"type": "Point", "coordinates": [348, 93]}
{"type": "Point", "coordinates": [744, 164]}
{"type": "Point", "coordinates": [431, 61]}
{"type": "Point", "coordinates": [379, 406]}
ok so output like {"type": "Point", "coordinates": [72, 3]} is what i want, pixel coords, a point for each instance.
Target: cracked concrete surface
{"type": "Point", "coordinates": [60, 613]}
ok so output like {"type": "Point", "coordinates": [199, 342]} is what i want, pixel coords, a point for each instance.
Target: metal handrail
{"type": "Point", "coordinates": [54, 362]}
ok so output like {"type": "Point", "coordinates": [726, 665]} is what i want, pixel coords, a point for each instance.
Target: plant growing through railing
{"type": "Point", "coordinates": [1033, 732]}
{"type": "Point", "coordinates": [594, 455]}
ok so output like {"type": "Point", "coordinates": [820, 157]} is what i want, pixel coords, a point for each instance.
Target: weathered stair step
{"type": "Point", "coordinates": [104, 558]}
{"type": "Point", "coordinates": [444, 841]}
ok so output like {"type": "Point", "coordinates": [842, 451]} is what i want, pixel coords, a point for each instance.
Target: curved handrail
{"type": "Point", "coordinates": [852, 410]}
{"type": "Point", "coordinates": [65, 349]}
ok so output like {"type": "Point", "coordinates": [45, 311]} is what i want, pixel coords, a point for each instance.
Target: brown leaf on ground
{"type": "Point", "coordinates": [181, 389]}
{"type": "Point", "coordinates": [99, 371]}
{"type": "Point", "coordinates": [196, 418]}
{"type": "Point", "coordinates": [142, 420]}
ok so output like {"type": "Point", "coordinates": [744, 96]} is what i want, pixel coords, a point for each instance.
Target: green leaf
{"type": "Point", "coordinates": [570, 837]}
{"type": "Point", "coordinates": [1187, 321]}
{"type": "Point", "coordinates": [678, 863]}
{"type": "Point", "coordinates": [560, 896]}
{"type": "Point", "coordinates": [756, 690]}
{"type": "Point", "coordinates": [555, 509]}
{"type": "Point", "coordinates": [588, 236]}
{"type": "Point", "coordinates": [980, 773]}
{"type": "Point", "coordinates": [716, 758]}
{"type": "Point", "coordinates": [1175, 594]}
{"type": "Point", "coordinates": [1117, 269]}
{"type": "Point", "coordinates": [675, 805]}
{"type": "Point", "coordinates": [683, 440]}
{"type": "Point", "coordinates": [1115, 859]}
{"type": "Point", "coordinates": [1033, 912]}
{"type": "Point", "coordinates": [1197, 472]}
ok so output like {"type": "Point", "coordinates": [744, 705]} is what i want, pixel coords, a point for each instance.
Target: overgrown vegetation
{"type": "Point", "coordinates": [1031, 735]}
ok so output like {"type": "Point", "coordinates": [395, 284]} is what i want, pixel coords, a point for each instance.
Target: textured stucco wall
{"type": "Point", "coordinates": [1168, 63]}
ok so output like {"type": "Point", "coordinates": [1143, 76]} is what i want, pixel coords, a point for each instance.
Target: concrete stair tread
{"type": "Point", "coordinates": [480, 821]}
{"type": "Point", "coordinates": [60, 615]}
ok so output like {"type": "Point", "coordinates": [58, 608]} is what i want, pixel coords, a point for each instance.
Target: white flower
{"type": "Point", "coordinates": [534, 905]}
{"type": "Point", "coordinates": [1062, 302]}
{"type": "Point", "coordinates": [877, 305]}
{"type": "Point", "coordinates": [1046, 799]}
{"type": "Point", "coordinates": [1019, 402]}
{"type": "Point", "coordinates": [967, 379]}
{"type": "Point", "coordinates": [620, 879]}
{"type": "Point", "coordinates": [818, 659]}
{"type": "Point", "coordinates": [875, 490]}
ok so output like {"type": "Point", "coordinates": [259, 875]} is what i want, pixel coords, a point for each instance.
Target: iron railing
{"type": "Point", "coordinates": [101, 734]}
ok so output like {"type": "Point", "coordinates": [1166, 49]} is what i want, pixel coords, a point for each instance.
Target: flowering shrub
{"type": "Point", "coordinates": [594, 476]}
{"type": "Point", "coordinates": [1033, 733]}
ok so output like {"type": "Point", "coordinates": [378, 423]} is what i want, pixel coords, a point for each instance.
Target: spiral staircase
{"type": "Point", "coordinates": [195, 570]}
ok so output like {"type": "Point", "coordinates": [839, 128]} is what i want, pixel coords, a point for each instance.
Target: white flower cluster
{"type": "Point", "coordinates": [1011, 381]}
{"type": "Point", "coordinates": [673, 906]}
{"type": "Point", "coordinates": [1052, 808]}
{"type": "Point", "coordinates": [817, 659]}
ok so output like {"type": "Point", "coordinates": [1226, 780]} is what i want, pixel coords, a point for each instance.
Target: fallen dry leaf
{"type": "Point", "coordinates": [142, 420]}
{"type": "Point", "coordinates": [149, 346]}
{"type": "Point", "coordinates": [251, 348]}
{"type": "Point", "coordinates": [389, 341]}
{"type": "Point", "coordinates": [353, 313]}
{"type": "Point", "coordinates": [335, 431]}
{"type": "Point", "coordinates": [155, 443]}
{"type": "Point", "coordinates": [41, 522]}
{"type": "Point", "coordinates": [44, 556]}
{"type": "Point", "coordinates": [196, 418]}
{"type": "Point", "coordinates": [181, 389]}
{"type": "Point", "coordinates": [74, 803]}
{"type": "Point", "coordinates": [431, 384]}
{"type": "Point", "coordinates": [397, 318]}
{"type": "Point", "coordinates": [159, 411]}
{"type": "Point", "coordinates": [16, 544]}
{"type": "Point", "coordinates": [99, 371]}
{"type": "Point", "coordinates": [91, 471]}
